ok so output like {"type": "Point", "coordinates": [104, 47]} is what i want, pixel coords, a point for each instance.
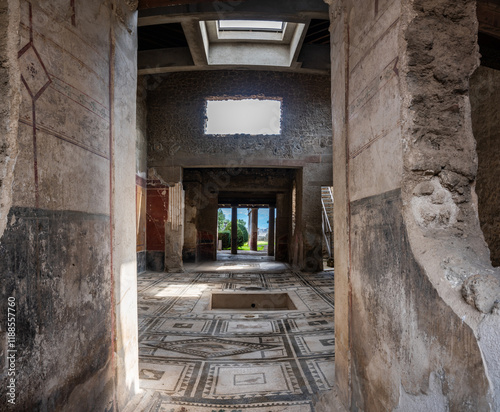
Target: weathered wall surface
{"type": "Point", "coordinates": [367, 163]}
{"type": "Point", "coordinates": [57, 246]}
{"type": "Point", "coordinates": [407, 236]}
{"type": "Point", "coordinates": [176, 120]}
{"type": "Point", "coordinates": [439, 177]}
{"type": "Point", "coordinates": [176, 123]}
{"type": "Point", "coordinates": [310, 229]}
{"type": "Point", "coordinates": [123, 76]}
{"type": "Point", "coordinates": [9, 115]}
{"type": "Point", "coordinates": [156, 217]}
{"type": "Point", "coordinates": [9, 105]}
{"type": "Point", "coordinates": [141, 173]}
{"type": "Point", "coordinates": [485, 105]}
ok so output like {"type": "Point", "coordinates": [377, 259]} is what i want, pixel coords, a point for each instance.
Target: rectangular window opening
{"type": "Point", "coordinates": [243, 116]}
{"type": "Point", "coordinates": [250, 25]}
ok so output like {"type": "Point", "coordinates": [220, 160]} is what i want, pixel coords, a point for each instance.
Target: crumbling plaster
{"type": "Point", "coordinates": [439, 54]}
{"type": "Point", "coordinates": [405, 246]}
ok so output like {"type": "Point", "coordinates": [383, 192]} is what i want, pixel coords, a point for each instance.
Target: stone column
{"type": "Point", "coordinates": [283, 226]}
{"type": "Point", "coordinates": [234, 230]}
{"type": "Point", "coordinates": [174, 229]}
{"type": "Point", "coordinates": [310, 220]}
{"type": "Point", "coordinates": [254, 228]}
{"type": "Point", "coordinates": [270, 232]}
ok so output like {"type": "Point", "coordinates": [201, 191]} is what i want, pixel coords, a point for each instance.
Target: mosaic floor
{"type": "Point", "coordinates": [194, 359]}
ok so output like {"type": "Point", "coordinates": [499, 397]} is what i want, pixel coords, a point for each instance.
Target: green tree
{"type": "Point", "coordinates": [221, 220]}
{"type": "Point", "coordinates": [242, 225]}
{"type": "Point", "coordinates": [241, 231]}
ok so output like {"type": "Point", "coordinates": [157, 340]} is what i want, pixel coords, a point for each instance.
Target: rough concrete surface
{"type": "Point", "coordinates": [482, 292]}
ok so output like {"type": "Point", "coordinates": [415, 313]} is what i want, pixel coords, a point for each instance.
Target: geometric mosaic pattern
{"type": "Point", "coordinates": [250, 380]}
{"type": "Point", "coordinates": [210, 347]}
{"type": "Point", "coordinates": [194, 359]}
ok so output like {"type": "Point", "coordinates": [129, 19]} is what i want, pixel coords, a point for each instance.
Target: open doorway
{"type": "Point", "coordinates": [255, 231]}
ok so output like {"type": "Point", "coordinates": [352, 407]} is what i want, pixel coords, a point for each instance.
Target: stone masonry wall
{"type": "Point", "coordinates": [485, 104]}
{"type": "Point", "coordinates": [176, 124]}
{"type": "Point", "coordinates": [176, 119]}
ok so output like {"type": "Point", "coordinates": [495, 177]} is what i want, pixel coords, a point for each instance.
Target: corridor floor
{"type": "Point", "coordinates": [194, 359]}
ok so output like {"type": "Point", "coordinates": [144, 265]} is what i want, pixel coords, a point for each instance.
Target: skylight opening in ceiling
{"type": "Point", "coordinates": [251, 25]}
{"type": "Point", "coordinates": [243, 116]}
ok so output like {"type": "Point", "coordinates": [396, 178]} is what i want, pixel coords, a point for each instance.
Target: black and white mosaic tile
{"type": "Point", "coordinates": [193, 359]}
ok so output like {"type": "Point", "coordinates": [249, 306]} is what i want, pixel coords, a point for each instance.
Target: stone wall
{"type": "Point", "coordinates": [176, 120]}
{"type": "Point", "coordinates": [176, 124]}
{"type": "Point", "coordinates": [440, 206]}
{"type": "Point", "coordinates": [485, 104]}
{"type": "Point", "coordinates": [203, 187]}
{"type": "Point", "coordinates": [72, 201]}
{"type": "Point", "coordinates": [406, 234]}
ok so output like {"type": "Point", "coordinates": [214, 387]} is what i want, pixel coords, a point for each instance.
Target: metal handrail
{"type": "Point", "coordinates": [326, 215]}
{"type": "Point", "coordinates": [326, 226]}
{"type": "Point", "coordinates": [327, 241]}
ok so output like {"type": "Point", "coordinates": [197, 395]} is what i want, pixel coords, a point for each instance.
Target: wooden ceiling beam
{"type": "Point", "coordinates": [488, 15]}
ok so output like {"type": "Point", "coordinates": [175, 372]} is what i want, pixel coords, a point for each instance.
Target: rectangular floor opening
{"type": "Point", "coordinates": [252, 301]}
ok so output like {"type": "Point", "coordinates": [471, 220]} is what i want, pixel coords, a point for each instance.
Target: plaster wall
{"type": "Point", "coordinates": [156, 218]}
{"type": "Point", "coordinates": [123, 75]}
{"type": "Point", "coordinates": [195, 199]}
{"type": "Point", "coordinates": [485, 105]}
{"type": "Point", "coordinates": [306, 241]}
{"type": "Point", "coordinates": [283, 226]}
{"type": "Point", "coordinates": [406, 234]}
{"type": "Point", "coordinates": [9, 115]}
{"type": "Point", "coordinates": [60, 257]}
{"type": "Point", "coordinates": [141, 173]}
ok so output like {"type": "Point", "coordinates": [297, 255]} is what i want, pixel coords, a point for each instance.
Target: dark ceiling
{"type": "Point", "coordinates": [318, 32]}
{"type": "Point", "coordinates": [489, 47]}
{"type": "Point", "coordinates": [161, 36]}
{"type": "Point", "coordinates": [314, 53]}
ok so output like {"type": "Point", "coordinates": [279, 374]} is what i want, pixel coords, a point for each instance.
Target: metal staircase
{"type": "Point", "coordinates": [327, 206]}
